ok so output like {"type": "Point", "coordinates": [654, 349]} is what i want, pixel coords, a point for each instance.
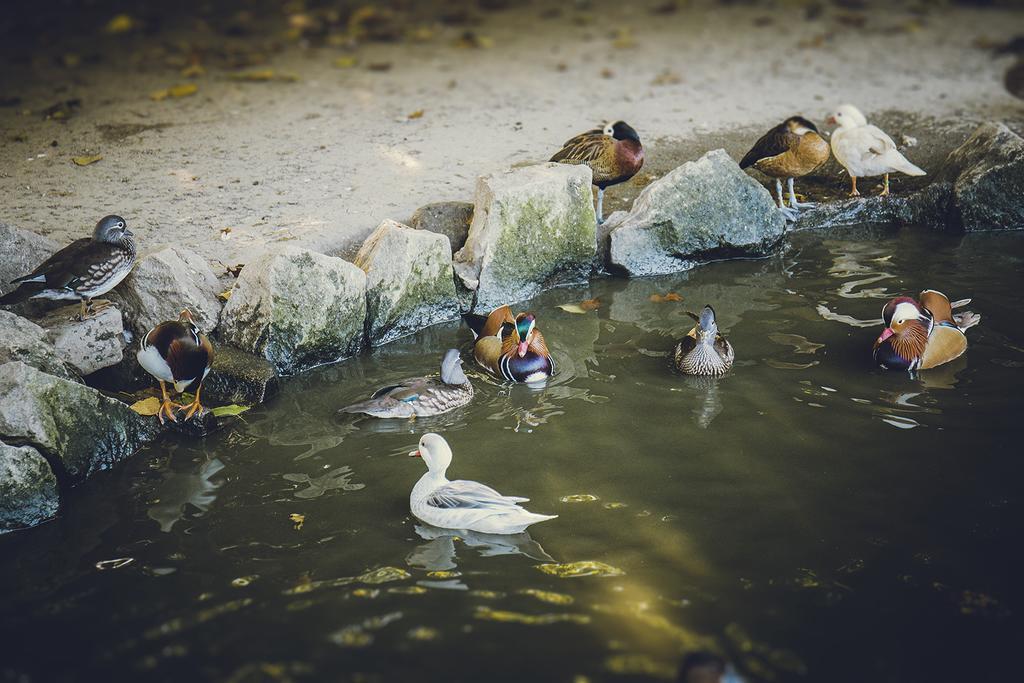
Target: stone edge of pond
{"type": "Point", "coordinates": [292, 309]}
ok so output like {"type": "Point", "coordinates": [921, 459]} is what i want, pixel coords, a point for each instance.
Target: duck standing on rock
{"type": "Point", "coordinates": [792, 149]}
{"type": "Point", "coordinates": [510, 347]}
{"type": "Point", "coordinates": [865, 150]}
{"type": "Point", "coordinates": [613, 153]}
{"type": "Point", "coordinates": [421, 396]}
{"type": "Point", "coordinates": [704, 351]}
{"type": "Point", "coordinates": [463, 504]}
{"type": "Point", "coordinates": [86, 268]}
{"type": "Point", "coordinates": [176, 351]}
{"type": "Point", "coordinates": [922, 334]}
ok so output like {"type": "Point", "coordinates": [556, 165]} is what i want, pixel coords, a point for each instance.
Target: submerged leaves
{"type": "Point", "coordinates": [571, 570]}
{"type": "Point", "coordinates": [665, 298]}
{"type": "Point", "coordinates": [506, 616]}
{"type": "Point", "coordinates": [548, 596]}
{"type": "Point", "coordinates": [579, 498]}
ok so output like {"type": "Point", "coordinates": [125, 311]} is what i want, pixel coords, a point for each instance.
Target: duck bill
{"type": "Point", "coordinates": [415, 454]}
{"type": "Point", "coordinates": [831, 120]}
{"type": "Point", "coordinates": [886, 333]}
{"type": "Point", "coordinates": [521, 349]}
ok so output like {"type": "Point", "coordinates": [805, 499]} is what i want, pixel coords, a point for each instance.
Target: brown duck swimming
{"type": "Point", "coordinates": [421, 396]}
{"type": "Point", "coordinates": [510, 347]}
{"type": "Point", "coordinates": [704, 351]}
{"type": "Point", "coordinates": [84, 269]}
{"type": "Point", "coordinates": [613, 153]}
{"type": "Point", "coordinates": [922, 334]}
{"type": "Point", "coordinates": [176, 351]}
{"type": "Point", "coordinates": [792, 149]}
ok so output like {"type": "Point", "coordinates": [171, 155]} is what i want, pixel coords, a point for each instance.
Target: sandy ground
{"type": "Point", "coordinates": [320, 160]}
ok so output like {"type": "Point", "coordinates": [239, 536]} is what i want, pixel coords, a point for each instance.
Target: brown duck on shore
{"type": "Point", "coordinates": [613, 153]}
{"type": "Point", "coordinates": [790, 150]}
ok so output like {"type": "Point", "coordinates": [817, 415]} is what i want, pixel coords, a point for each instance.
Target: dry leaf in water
{"type": "Point", "coordinates": [86, 160]}
{"type": "Point", "coordinates": [233, 409]}
{"type": "Point", "coordinates": [147, 406]}
{"type": "Point", "coordinates": [122, 23]}
{"type": "Point", "coordinates": [664, 298]}
{"type": "Point", "coordinates": [297, 519]}
{"type": "Point", "coordinates": [572, 308]}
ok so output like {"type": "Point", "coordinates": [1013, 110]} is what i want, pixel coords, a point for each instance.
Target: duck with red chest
{"type": "Point", "coordinates": [614, 153]}
{"type": "Point", "coordinates": [176, 352]}
{"type": "Point", "coordinates": [923, 333]}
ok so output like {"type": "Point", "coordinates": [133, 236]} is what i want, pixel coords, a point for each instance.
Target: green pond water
{"type": "Point", "coordinates": [809, 516]}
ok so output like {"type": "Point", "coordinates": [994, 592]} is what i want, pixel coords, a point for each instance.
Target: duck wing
{"type": "Point", "coordinates": [773, 143]}
{"type": "Point", "coordinates": [463, 494]}
{"type": "Point", "coordinates": [945, 343]}
{"type": "Point", "coordinates": [585, 148]}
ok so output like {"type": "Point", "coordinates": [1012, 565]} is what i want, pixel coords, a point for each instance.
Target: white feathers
{"type": "Point", "coordinates": [865, 150]}
{"type": "Point", "coordinates": [152, 362]}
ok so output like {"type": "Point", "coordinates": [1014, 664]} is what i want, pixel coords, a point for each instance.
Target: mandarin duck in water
{"type": "Point", "coordinates": [84, 269]}
{"type": "Point", "coordinates": [421, 396]}
{"type": "Point", "coordinates": [865, 150]}
{"type": "Point", "coordinates": [704, 351]}
{"type": "Point", "coordinates": [510, 347]}
{"type": "Point", "coordinates": [613, 153]}
{"type": "Point", "coordinates": [792, 149]}
{"type": "Point", "coordinates": [463, 504]}
{"type": "Point", "coordinates": [175, 351]}
{"type": "Point", "coordinates": [924, 333]}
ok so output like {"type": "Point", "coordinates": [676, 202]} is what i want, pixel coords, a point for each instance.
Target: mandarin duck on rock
{"type": "Point", "coordinates": [792, 149]}
{"type": "Point", "coordinates": [510, 346]}
{"type": "Point", "coordinates": [923, 333]}
{"type": "Point", "coordinates": [704, 351]}
{"type": "Point", "coordinates": [176, 352]}
{"type": "Point", "coordinates": [614, 154]}
{"type": "Point", "coordinates": [421, 396]}
{"type": "Point", "coordinates": [86, 268]}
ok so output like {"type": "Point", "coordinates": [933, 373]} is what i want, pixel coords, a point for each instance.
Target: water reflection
{"type": "Point", "coordinates": [182, 493]}
{"type": "Point", "coordinates": [439, 552]}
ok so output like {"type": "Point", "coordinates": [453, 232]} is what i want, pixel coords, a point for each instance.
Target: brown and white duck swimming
{"type": "Point", "coordinates": [84, 269]}
{"type": "Point", "coordinates": [704, 351]}
{"type": "Point", "coordinates": [614, 153]}
{"type": "Point", "coordinates": [421, 396]}
{"type": "Point", "coordinates": [510, 346]}
{"type": "Point", "coordinates": [923, 333]}
{"type": "Point", "coordinates": [792, 149]}
{"type": "Point", "coordinates": [176, 352]}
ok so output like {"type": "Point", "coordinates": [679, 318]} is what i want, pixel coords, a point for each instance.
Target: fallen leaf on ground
{"type": "Point", "coordinates": [263, 75]}
{"type": "Point", "coordinates": [471, 40]}
{"type": "Point", "coordinates": [86, 160]}
{"type": "Point", "coordinates": [233, 409]}
{"type": "Point", "coordinates": [623, 39]}
{"type": "Point", "coordinates": [664, 298]}
{"type": "Point", "coordinates": [418, 114]}
{"type": "Point", "coordinates": [182, 90]}
{"type": "Point", "coordinates": [297, 519]}
{"type": "Point", "coordinates": [147, 406]}
{"type": "Point", "coordinates": [225, 295]}
{"type": "Point", "coordinates": [345, 62]}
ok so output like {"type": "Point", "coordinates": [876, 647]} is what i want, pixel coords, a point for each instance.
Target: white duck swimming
{"type": "Point", "coordinates": [865, 150]}
{"type": "Point", "coordinates": [463, 504]}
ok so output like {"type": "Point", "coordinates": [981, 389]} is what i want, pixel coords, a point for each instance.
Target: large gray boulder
{"type": "Point", "coordinates": [703, 209]}
{"type": "Point", "coordinates": [74, 425]}
{"type": "Point", "coordinates": [86, 345]}
{"type": "Point", "coordinates": [23, 340]}
{"type": "Point", "coordinates": [164, 282]}
{"type": "Point", "coordinates": [451, 219]}
{"type": "Point", "coordinates": [987, 178]}
{"type": "Point", "coordinates": [20, 252]}
{"type": "Point", "coordinates": [409, 281]}
{"type": "Point", "coordinates": [240, 378]}
{"type": "Point", "coordinates": [28, 488]}
{"type": "Point", "coordinates": [297, 308]}
{"type": "Point", "coordinates": [533, 228]}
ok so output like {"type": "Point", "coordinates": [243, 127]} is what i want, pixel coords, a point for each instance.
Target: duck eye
{"type": "Point", "coordinates": [900, 321]}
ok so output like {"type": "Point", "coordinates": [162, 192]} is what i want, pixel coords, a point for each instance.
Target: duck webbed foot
{"type": "Point", "coordinates": [600, 205]}
{"type": "Point", "coordinates": [194, 406]}
{"type": "Point", "coordinates": [793, 203]}
{"type": "Point", "coordinates": [167, 406]}
{"type": "Point", "coordinates": [885, 188]}
{"type": "Point", "coordinates": [790, 214]}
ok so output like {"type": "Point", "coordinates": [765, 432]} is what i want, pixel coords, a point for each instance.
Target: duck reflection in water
{"type": "Point", "coordinates": [179, 490]}
{"type": "Point", "coordinates": [438, 553]}
{"type": "Point", "coordinates": [706, 667]}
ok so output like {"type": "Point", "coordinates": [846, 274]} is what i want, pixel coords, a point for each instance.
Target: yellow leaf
{"type": "Point", "coordinates": [576, 569]}
{"type": "Point", "coordinates": [193, 71]}
{"type": "Point", "coordinates": [122, 23]}
{"type": "Point", "coordinates": [86, 160]}
{"type": "Point", "coordinates": [221, 411]}
{"type": "Point", "coordinates": [345, 62]}
{"type": "Point", "coordinates": [572, 308]}
{"type": "Point", "coordinates": [297, 519]}
{"type": "Point", "coordinates": [664, 298]}
{"type": "Point", "coordinates": [418, 114]}
{"type": "Point", "coordinates": [147, 406]}
{"type": "Point", "coordinates": [263, 75]}
{"type": "Point", "coordinates": [225, 295]}
{"type": "Point", "coordinates": [181, 90]}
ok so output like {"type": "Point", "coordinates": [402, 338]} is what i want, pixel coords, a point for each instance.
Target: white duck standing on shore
{"type": "Point", "coordinates": [463, 504]}
{"type": "Point", "coordinates": [865, 150]}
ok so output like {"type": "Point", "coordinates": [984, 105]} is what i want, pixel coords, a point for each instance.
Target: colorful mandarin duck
{"type": "Point", "coordinates": [922, 334]}
{"type": "Point", "coordinates": [86, 268]}
{"type": "Point", "coordinates": [463, 504]}
{"type": "Point", "coordinates": [510, 347]}
{"type": "Point", "coordinates": [703, 351]}
{"type": "Point", "coordinates": [421, 396]}
{"type": "Point", "coordinates": [175, 351]}
{"type": "Point", "coordinates": [613, 153]}
{"type": "Point", "coordinates": [792, 149]}
{"type": "Point", "coordinates": [865, 150]}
